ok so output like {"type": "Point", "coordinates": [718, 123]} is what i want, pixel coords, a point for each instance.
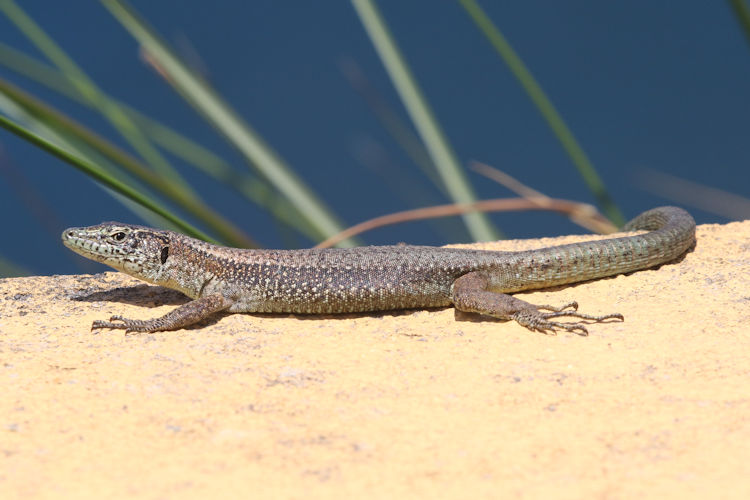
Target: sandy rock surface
{"type": "Point", "coordinates": [385, 405]}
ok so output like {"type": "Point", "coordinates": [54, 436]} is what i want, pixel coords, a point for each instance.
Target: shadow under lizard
{"type": "Point", "coordinates": [376, 278]}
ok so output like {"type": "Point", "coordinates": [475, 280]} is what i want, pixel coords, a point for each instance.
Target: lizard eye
{"type": "Point", "coordinates": [118, 236]}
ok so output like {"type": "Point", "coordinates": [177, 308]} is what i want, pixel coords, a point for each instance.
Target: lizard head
{"type": "Point", "coordinates": [136, 250]}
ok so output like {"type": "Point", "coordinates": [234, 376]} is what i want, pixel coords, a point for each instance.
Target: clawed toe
{"type": "Point", "coordinates": [125, 324]}
{"type": "Point", "coordinates": [572, 305]}
{"type": "Point", "coordinates": [550, 327]}
{"type": "Point", "coordinates": [536, 320]}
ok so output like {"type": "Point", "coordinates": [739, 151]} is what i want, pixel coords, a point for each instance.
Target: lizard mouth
{"type": "Point", "coordinates": [78, 240]}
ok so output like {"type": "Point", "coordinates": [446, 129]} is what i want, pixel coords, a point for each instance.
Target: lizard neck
{"type": "Point", "coordinates": [193, 264]}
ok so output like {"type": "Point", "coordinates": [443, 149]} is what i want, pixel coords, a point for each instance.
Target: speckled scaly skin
{"type": "Point", "coordinates": [372, 278]}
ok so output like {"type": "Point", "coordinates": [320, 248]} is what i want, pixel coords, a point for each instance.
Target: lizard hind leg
{"type": "Point", "coordinates": [471, 294]}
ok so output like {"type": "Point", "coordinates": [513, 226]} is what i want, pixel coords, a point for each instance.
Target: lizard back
{"type": "Point", "coordinates": [404, 276]}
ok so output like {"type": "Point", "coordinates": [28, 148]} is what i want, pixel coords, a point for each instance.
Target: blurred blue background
{"type": "Point", "coordinates": [643, 85]}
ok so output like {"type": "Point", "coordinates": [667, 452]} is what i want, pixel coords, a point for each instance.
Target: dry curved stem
{"type": "Point", "coordinates": [531, 194]}
{"type": "Point", "coordinates": [573, 209]}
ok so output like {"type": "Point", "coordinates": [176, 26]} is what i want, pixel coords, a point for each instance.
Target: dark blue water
{"type": "Point", "coordinates": [641, 84]}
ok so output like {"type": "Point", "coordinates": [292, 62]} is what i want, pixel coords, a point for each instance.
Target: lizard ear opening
{"type": "Point", "coordinates": [164, 254]}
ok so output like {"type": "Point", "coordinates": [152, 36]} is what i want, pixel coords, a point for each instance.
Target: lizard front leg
{"type": "Point", "coordinates": [471, 294]}
{"type": "Point", "coordinates": [183, 316]}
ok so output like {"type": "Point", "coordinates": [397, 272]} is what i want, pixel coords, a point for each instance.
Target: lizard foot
{"type": "Point", "coordinates": [533, 319]}
{"type": "Point", "coordinates": [129, 325]}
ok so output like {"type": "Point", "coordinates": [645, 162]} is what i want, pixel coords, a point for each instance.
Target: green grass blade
{"type": "Point", "coordinates": [10, 270]}
{"type": "Point", "coordinates": [399, 129]}
{"type": "Point", "coordinates": [102, 177]}
{"type": "Point", "coordinates": [39, 71]}
{"type": "Point", "coordinates": [742, 13]}
{"type": "Point", "coordinates": [453, 176]}
{"type": "Point", "coordinates": [168, 138]}
{"type": "Point", "coordinates": [66, 141]}
{"type": "Point", "coordinates": [546, 108]}
{"type": "Point", "coordinates": [66, 127]}
{"type": "Point", "coordinates": [252, 188]}
{"type": "Point", "coordinates": [200, 95]}
{"type": "Point", "coordinates": [87, 88]}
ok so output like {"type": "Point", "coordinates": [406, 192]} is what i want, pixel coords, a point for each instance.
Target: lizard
{"type": "Point", "coordinates": [373, 278]}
